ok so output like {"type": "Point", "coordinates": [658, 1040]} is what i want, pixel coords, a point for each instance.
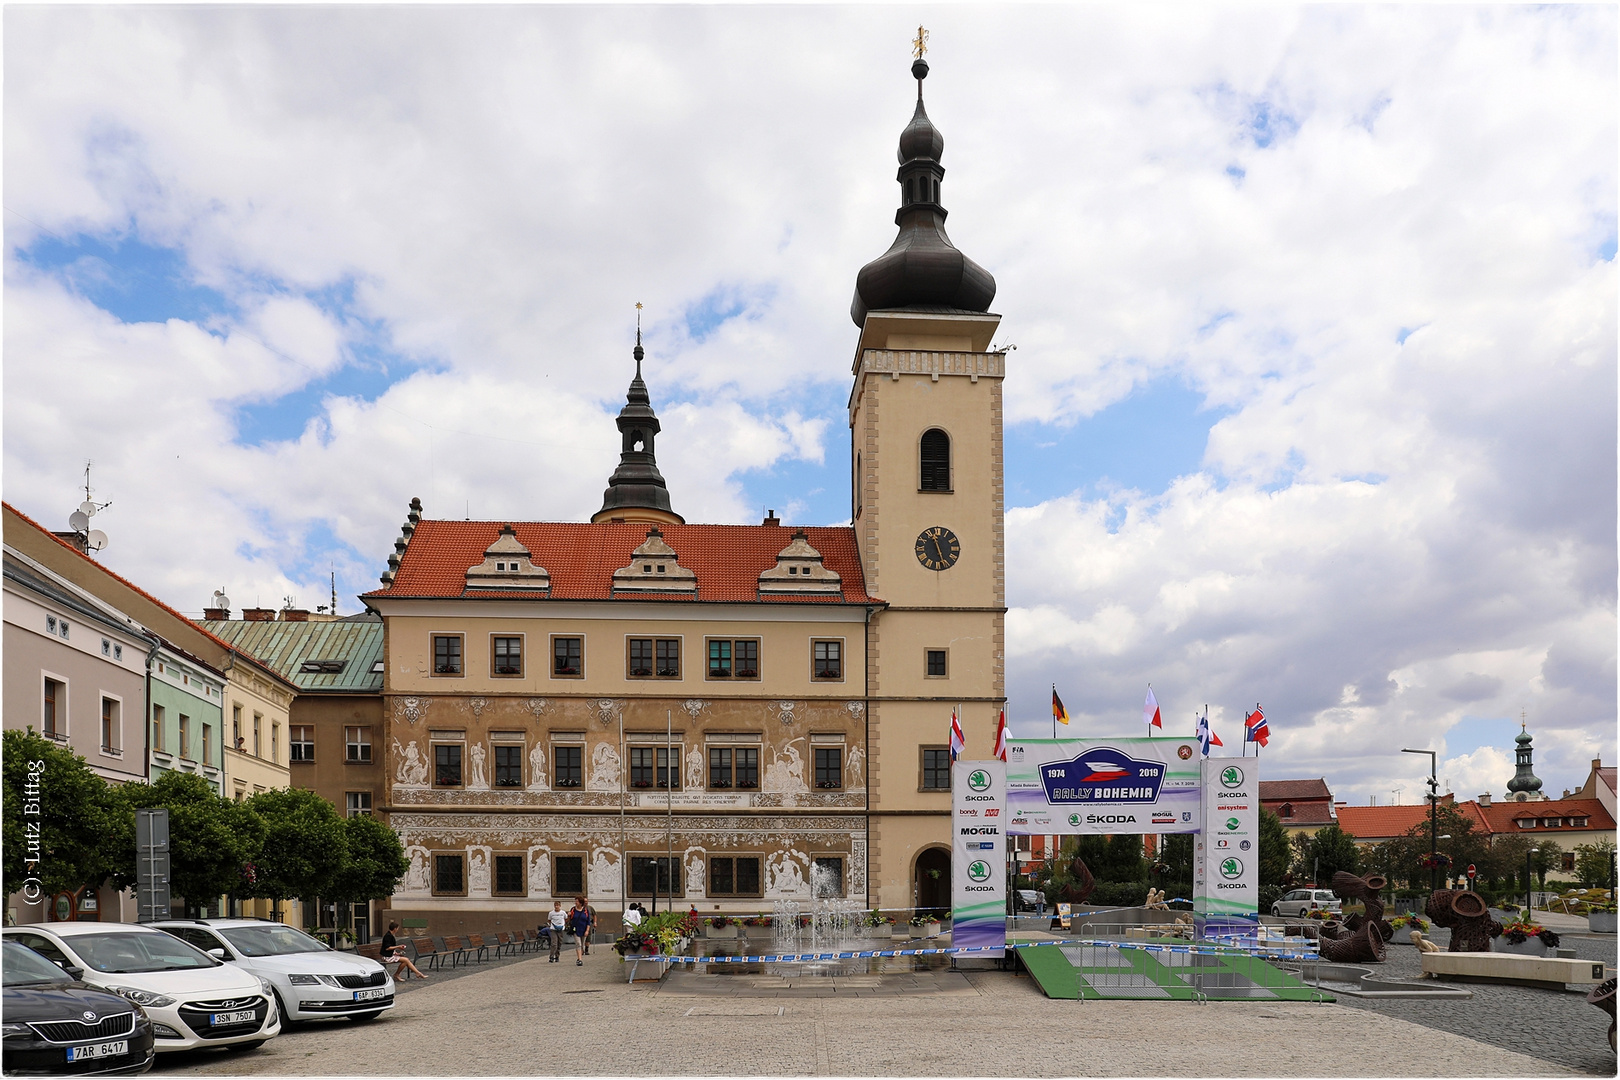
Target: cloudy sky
{"type": "Point", "coordinates": [1314, 397]}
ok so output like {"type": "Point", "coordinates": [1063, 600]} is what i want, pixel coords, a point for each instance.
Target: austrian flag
{"type": "Point", "coordinates": [1254, 727]}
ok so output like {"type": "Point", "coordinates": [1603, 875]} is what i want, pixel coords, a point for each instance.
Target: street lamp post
{"type": "Point", "coordinates": [1434, 820]}
{"type": "Point", "coordinates": [1451, 864]}
{"type": "Point", "coordinates": [1528, 882]}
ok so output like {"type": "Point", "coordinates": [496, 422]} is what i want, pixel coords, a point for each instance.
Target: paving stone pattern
{"type": "Point", "coordinates": [531, 1018]}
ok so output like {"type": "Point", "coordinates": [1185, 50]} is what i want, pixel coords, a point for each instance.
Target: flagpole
{"type": "Point", "coordinates": [1054, 713]}
{"type": "Point", "coordinates": [1150, 719]}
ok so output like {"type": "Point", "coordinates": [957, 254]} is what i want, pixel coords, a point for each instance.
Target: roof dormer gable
{"type": "Point", "coordinates": [799, 569]}
{"type": "Point", "coordinates": [508, 567]}
{"type": "Point", "coordinates": [654, 567]}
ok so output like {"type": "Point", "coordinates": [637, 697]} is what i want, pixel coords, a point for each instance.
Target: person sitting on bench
{"type": "Point", "coordinates": [394, 953]}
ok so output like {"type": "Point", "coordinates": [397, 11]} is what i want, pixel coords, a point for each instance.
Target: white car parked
{"type": "Point", "coordinates": [1296, 903]}
{"type": "Point", "coordinates": [310, 979]}
{"type": "Point", "coordinates": [193, 999]}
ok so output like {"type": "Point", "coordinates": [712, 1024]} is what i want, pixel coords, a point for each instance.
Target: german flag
{"type": "Point", "coordinates": [1059, 713]}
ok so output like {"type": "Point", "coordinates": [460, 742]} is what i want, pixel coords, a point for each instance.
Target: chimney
{"type": "Point", "coordinates": [259, 614]}
{"type": "Point", "coordinates": [293, 614]}
{"type": "Point", "coordinates": [1484, 800]}
{"type": "Point", "coordinates": [771, 518]}
{"type": "Point", "coordinates": [216, 614]}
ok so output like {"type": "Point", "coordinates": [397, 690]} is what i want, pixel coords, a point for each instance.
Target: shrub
{"type": "Point", "coordinates": [1120, 894]}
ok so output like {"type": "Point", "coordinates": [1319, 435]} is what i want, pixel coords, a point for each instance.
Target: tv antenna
{"type": "Point", "coordinates": [86, 538]}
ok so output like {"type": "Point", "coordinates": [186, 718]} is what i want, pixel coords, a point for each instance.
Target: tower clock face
{"type": "Point", "coordinates": [938, 548]}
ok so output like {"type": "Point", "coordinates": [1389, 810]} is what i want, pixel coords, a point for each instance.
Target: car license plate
{"type": "Point", "coordinates": [369, 995]}
{"type": "Point", "coordinates": [98, 1050]}
{"type": "Point", "coordinates": [240, 1016]}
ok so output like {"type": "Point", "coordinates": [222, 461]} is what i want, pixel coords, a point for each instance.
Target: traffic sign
{"type": "Point", "coordinates": [1470, 871]}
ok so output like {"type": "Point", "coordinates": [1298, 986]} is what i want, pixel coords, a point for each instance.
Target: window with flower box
{"type": "Point", "coordinates": [506, 656]}
{"type": "Point", "coordinates": [650, 767]}
{"type": "Point", "coordinates": [508, 765]}
{"type": "Point", "coordinates": [829, 768]}
{"type": "Point", "coordinates": [446, 765]}
{"type": "Point", "coordinates": [570, 766]}
{"type": "Point", "coordinates": [733, 658]}
{"type": "Point", "coordinates": [567, 658]}
{"type": "Point", "coordinates": [734, 768]}
{"type": "Point", "coordinates": [654, 658]}
{"type": "Point", "coordinates": [827, 661]}
{"type": "Point", "coordinates": [447, 654]}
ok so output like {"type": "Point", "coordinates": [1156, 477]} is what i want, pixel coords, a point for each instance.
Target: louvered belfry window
{"type": "Point", "coordinates": [936, 461]}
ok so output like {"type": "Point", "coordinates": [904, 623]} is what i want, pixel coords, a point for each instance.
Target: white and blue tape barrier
{"type": "Point", "coordinates": [968, 950]}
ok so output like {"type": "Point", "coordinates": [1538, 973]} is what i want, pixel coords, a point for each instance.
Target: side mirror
{"type": "Point", "coordinates": [73, 971]}
{"type": "Point", "coordinates": [217, 953]}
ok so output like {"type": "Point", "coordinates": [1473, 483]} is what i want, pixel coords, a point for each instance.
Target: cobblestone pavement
{"type": "Point", "coordinates": [531, 1018]}
{"type": "Point", "coordinates": [1551, 1025]}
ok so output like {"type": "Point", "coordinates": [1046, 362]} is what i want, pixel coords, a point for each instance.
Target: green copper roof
{"type": "Point", "coordinates": [294, 649]}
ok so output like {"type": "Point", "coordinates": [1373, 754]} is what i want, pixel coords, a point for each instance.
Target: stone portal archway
{"type": "Point", "coordinates": [932, 880]}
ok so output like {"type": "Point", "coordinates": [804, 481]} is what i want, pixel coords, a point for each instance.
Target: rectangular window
{"type": "Point", "coordinates": [109, 724]}
{"type": "Point", "coordinates": [568, 877]}
{"type": "Point", "coordinates": [829, 767]}
{"type": "Point", "coordinates": [55, 709]}
{"type": "Point", "coordinates": [158, 742]}
{"type": "Point", "coordinates": [734, 876]}
{"type": "Point", "coordinates": [236, 727]}
{"type": "Point", "coordinates": [446, 766]}
{"type": "Point", "coordinates": [719, 659]}
{"type": "Point", "coordinates": [507, 654]}
{"type": "Point", "coordinates": [747, 654]}
{"type": "Point", "coordinates": [359, 803]}
{"type": "Point", "coordinates": [734, 767]}
{"type": "Point", "coordinates": [185, 736]}
{"type": "Point", "coordinates": [650, 767]}
{"type": "Point", "coordinates": [448, 878]}
{"type": "Point", "coordinates": [654, 658]}
{"type": "Point", "coordinates": [447, 654]}
{"type": "Point", "coordinates": [208, 744]}
{"type": "Point", "coordinates": [827, 876]}
{"type": "Point", "coordinates": [510, 880]}
{"type": "Point", "coordinates": [734, 658]}
{"type": "Point", "coordinates": [936, 663]}
{"type": "Point", "coordinates": [936, 768]}
{"type": "Point", "coordinates": [567, 657]}
{"type": "Point", "coordinates": [302, 746]}
{"type": "Point", "coordinates": [258, 725]}
{"type": "Point", "coordinates": [829, 660]}
{"type": "Point", "coordinates": [570, 766]}
{"type": "Point", "coordinates": [357, 745]}
{"type": "Point", "coordinates": [275, 742]}
{"type": "Point", "coordinates": [655, 876]}
{"type": "Point", "coordinates": [509, 766]}
{"type": "Point", "coordinates": [641, 658]}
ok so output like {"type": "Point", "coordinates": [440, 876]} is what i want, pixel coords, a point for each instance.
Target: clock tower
{"type": "Point", "coordinates": [927, 505]}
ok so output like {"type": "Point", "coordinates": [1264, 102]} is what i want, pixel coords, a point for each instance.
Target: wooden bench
{"type": "Point", "coordinates": [424, 949]}
{"type": "Point", "coordinates": [506, 943]}
{"type": "Point", "coordinates": [457, 949]}
{"type": "Point", "coordinates": [371, 951]}
{"type": "Point", "coordinates": [1507, 967]}
{"type": "Point", "coordinates": [531, 940]}
{"type": "Point", "coordinates": [476, 946]}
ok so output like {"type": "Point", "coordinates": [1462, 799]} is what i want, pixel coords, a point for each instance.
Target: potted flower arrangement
{"type": "Point", "coordinates": [878, 925]}
{"type": "Point", "coordinates": [719, 926]}
{"type": "Point", "coordinates": [1600, 918]}
{"type": "Point", "coordinates": [759, 927]}
{"type": "Point", "coordinates": [924, 925]}
{"type": "Point", "coordinates": [1525, 938]}
{"type": "Point", "coordinates": [1404, 925]}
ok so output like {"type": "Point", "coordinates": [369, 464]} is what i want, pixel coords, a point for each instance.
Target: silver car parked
{"type": "Point", "coordinates": [1297, 903]}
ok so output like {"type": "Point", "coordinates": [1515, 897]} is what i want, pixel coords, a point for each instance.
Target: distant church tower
{"type": "Point", "coordinates": [927, 499]}
{"type": "Point", "coordinates": [1525, 785]}
{"type": "Point", "coordinates": [636, 490]}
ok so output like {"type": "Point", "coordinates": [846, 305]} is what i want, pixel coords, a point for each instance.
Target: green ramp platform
{"type": "Point", "coordinates": [1100, 972]}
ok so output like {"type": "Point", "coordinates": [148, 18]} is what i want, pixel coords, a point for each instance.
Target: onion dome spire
{"type": "Point", "coordinates": [922, 270]}
{"type": "Point", "coordinates": [1524, 780]}
{"type": "Point", "coordinates": [636, 490]}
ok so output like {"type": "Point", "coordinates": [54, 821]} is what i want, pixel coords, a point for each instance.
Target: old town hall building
{"type": "Point", "coordinates": [718, 715]}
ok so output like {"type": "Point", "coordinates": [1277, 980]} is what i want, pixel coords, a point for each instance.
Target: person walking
{"type": "Point", "coordinates": [632, 917]}
{"type": "Point", "coordinates": [557, 922]}
{"type": "Point", "coordinates": [394, 953]}
{"type": "Point", "coordinates": [579, 921]}
{"type": "Point", "coordinates": [592, 929]}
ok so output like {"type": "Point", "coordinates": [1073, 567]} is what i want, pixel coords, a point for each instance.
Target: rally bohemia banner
{"type": "Point", "coordinates": [979, 856]}
{"type": "Point", "coordinates": [1067, 786]}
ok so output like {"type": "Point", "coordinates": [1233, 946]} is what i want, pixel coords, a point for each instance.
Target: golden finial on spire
{"type": "Point", "coordinates": [919, 44]}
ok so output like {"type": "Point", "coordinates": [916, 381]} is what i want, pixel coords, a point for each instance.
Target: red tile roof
{"type": "Point", "coordinates": [1294, 790]}
{"type": "Point", "coordinates": [1607, 776]}
{"type": "Point", "coordinates": [1503, 815]}
{"type": "Point", "coordinates": [1382, 822]}
{"type": "Point", "coordinates": [581, 559]}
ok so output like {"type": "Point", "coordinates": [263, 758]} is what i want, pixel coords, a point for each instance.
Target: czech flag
{"type": "Point", "coordinates": [1254, 727]}
{"type": "Point", "coordinates": [1206, 735]}
{"type": "Point", "coordinates": [1150, 711]}
{"type": "Point", "coordinates": [1001, 736]}
{"type": "Point", "coordinates": [957, 742]}
{"type": "Point", "coordinates": [1059, 713]}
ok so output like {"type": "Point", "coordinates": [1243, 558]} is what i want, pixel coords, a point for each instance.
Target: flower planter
{"type": "Point", "coordinates": [879, 933]}
{"type": "Point", "coordinates": [759, 933]}
{"type": "Point", "coordinates": [1601, 922]}
{"type": "Point", "coordinates": [926, 930]}
{"type": "Point", "coordinates": [1528, 947]}
{"type": "Point", "coordinates": [721, 932]}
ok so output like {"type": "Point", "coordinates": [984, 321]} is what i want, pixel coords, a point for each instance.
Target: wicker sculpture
{"type": "Point", "coordinates": [1467, 917]}
{"type": "Point", "coordinates": [1602, 995]}
{"type": "Point", "coordinates": [1081, 883]}
{"type": "Point", "coordinates": [1360, 938]}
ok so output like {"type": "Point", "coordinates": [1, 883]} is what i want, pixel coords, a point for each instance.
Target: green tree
{"type": "Point", "coordinates": [1594, 864]}
{"type": "Point", "coordinates": [57, 816]}
{"type": "Point", "coordinates": [1332, 849]}
{"type": "Point", "coordinates": [374, 862]}
{"type": "Point", "coordinates": [210, 837]}
{"type": "Point", "coordinates": [1275, 851]}
{"type": "Point", "coordinates": [1122, 860]}
{"type": "Point", "coordinates": [1548, 856]}
{"type": "Point", "coordinates": [303, 847]}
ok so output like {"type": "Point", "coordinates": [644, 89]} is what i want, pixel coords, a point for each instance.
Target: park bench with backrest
{"type": "Point", "coordinates": [477, 947]}
{"type": "Point", "coordinates": [455, 948]}
{"type": "Point", "coordinates": [371, 950]}
{"type": "Point", "coordinates": [531, 941]}
{"type": "Point", "coordinates": [505, 944]}
{"type": "Point", "coordinates": [424, 949]}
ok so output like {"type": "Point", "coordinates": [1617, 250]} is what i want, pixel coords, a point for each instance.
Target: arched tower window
{"type": "Point", "coordinates": [936, 461]}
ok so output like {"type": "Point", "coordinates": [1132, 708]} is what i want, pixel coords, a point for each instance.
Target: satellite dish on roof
{"type": "Point", "coordinates": [78, 521]}
{"type": "Point", "coordinates": [96, 540]}
{"type": "Point", "coordinates": [220, 599]}
{"type": "Point", "coordinates": [87, 508]}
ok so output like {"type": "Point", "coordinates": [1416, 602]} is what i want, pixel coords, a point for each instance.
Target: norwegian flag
{"type": "Point", "coordinates": [957, 742]}
{"type": "Point", "coordinates": [1150, 712]}
{"type": "Point", "coordinates": [1001, 736]}
{"type": "Point", "coordinates": [1254, 727]}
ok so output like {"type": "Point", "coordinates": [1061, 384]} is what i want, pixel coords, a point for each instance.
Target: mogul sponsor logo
{"type": "Point", "coordinates": [981, 830]}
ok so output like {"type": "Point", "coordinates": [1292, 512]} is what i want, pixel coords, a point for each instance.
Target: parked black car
{"type": "Point", "coordinates": [56, 1025]}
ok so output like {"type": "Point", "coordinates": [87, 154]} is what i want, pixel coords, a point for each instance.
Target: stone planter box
{"type": "Point", "coordinates": [879, 933]}
{"type": "Point", "coordinates": [926, 930]}
{"type": "Point", "coordinates": [1601, 922]}
{"type": "Point", "coordinates": [1527, 947]}
{"type": "Point", "coordinates": [759, 933]}
{"type": "Point", "coordinates": [720, 933]}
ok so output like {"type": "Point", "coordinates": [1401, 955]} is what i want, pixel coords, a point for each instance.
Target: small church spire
{"type": "Point", "coordinates": [636, 490]}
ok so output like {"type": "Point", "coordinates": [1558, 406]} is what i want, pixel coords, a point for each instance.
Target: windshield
{"type": "Point", "coordinates": [23, 966]}
{"type": "Point", "coordinates": [271, 939]}
{"type": "Point", "coordinates": [126, 952]}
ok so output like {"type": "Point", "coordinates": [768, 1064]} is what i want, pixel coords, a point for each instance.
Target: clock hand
{"type": "Point", "coordinates": [939, 552]}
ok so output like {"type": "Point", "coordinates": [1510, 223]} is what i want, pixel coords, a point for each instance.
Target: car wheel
{"type": "Point", "coordinates": [254, 1045]}
{"type": "Point", "coordinates": [281, 1008]}
{"type": "Point", "coordinates": [361, 1018]}
{"type": "Point", "coordinates": [1276, 912]}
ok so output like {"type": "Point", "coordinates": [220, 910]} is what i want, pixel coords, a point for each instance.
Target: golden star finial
{"type": "Point", "coordinates": [919, 44]}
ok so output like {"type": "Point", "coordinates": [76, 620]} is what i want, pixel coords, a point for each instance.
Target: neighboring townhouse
{"type": "Point", "coordinates": [1303, 806]}
{"type": "Point", "coordinates": [187, 717]}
